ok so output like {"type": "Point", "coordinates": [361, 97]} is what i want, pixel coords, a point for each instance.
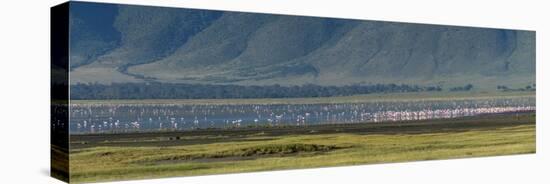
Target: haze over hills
{"type": "Point", "coordinates": [143, 44]}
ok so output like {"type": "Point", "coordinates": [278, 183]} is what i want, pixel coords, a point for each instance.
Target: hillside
{"type": "Point", "coordinates": [214, 47]}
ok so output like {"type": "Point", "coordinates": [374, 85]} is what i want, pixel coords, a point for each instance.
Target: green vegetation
{"type": "Point", "coordinates": [530, 87]}
{"type": "Point", "coordinates": [197, 91]}
{"type": "Point", "coordinates": [467, 87]}
{"type": "Point", "coordinates": [59, 162]}
{"type": "Point", "coordinates": [104, 157]}
{"type": "Point", "coordinates": [418, 96]}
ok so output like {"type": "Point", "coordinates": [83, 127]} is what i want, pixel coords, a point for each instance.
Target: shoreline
{"type": "Point", "coordinates": [387, 97]}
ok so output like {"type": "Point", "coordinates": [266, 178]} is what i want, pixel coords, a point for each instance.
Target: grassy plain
{"type": "Point", "coordinates": [104, 157]}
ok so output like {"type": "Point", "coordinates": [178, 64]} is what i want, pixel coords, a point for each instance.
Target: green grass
{"type": "Point", "coordinates": [148, 155]}
{"type": "Point", "coordinates": [59, 162]}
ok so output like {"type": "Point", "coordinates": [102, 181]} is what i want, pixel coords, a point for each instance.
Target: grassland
{"type": "Point", "coordinates": [104, 157]}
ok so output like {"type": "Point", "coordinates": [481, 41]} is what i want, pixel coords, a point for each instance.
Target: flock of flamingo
{"type": "Point", "coordinates": [98, 118]}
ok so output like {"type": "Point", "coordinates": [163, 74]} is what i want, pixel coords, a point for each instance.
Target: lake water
{"type": "Point", "coordinates": [94, 118]}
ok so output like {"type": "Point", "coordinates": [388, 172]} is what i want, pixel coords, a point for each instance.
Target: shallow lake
{"type": "Point", "coordinates": [104, 117]}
